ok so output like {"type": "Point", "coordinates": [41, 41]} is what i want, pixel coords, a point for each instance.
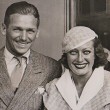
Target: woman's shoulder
{"type": "Point", "coordinates": [52, 98]}
{"type": "Point", "coordinates": [51, 92]}
{"type": "Point", "coordinates": [107, 76]}
{"type": "Point", "coordinates": [107, 73]}
{"type": "Point", "coordinates": [51, 85]}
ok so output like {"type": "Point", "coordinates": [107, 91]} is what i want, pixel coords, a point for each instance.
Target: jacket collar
{"type": "Point", "coordinates": [6, 91]}
{"type": "Point", "coordinates": [103, 97]}
{"type": "Point", "coordinates": [69, 92]}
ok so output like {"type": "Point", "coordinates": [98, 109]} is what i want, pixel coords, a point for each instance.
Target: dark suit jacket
{"type": "Point", "coordinates": [39, 71]}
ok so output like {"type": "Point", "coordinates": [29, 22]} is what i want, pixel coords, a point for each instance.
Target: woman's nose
{"type": "Point", "coordinates": [80, 57]}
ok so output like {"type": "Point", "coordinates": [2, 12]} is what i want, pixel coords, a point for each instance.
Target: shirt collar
{"type": "Point", "coordinates": [9, 56]}
{"type": "Point", "coordinates": [27, 55]}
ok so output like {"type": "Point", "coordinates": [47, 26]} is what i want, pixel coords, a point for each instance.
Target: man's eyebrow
{"type": "Point", "coordinates": [17, 27]}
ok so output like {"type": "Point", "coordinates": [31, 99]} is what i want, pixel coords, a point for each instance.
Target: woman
{"type": "Point", "coordinates": [84, 84]}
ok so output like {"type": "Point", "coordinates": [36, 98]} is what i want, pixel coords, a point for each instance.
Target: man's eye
{"type": "Point", "coordinates": [87, 52]}
{"type": "Point", "coordinates": [31, 31]}
{"type": "Point", "coordinates": [16, 29]}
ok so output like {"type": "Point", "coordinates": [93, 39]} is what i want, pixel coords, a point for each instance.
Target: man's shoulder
{"type": "Point", "coordinates": [51, 66]}
{"type": "Point", "coordinates": [43, 58]}
{"type": "Point", "coordinates": [40, 55]}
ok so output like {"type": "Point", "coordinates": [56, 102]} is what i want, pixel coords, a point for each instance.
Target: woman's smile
{"type": "Point", "coordinates": [80, 66]}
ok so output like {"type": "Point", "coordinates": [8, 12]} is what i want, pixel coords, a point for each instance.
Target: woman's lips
{"type": "Point", "coordinates": [80, 66]}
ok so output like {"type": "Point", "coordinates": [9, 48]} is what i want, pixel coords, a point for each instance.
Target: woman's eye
{"type": "Point", "coordinates": [73, 52]}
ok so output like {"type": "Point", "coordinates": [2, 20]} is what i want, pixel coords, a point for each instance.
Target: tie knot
{"type": "Point", "coordinates": [20, 59]}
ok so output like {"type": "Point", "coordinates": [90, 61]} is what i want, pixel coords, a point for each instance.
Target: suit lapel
{"type": "Point", "coordinates": [6, 91]}
{"type": "Point", "coordinates": [102, 98]}
{"type": "Point", "coordinates": [33, 77]}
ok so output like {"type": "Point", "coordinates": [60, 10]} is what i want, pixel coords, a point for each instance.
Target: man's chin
{"type": "Point", "coordinates": [21, 52]}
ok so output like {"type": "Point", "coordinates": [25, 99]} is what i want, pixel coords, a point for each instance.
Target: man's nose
{"type": "Point", "coordinates": [24, 35]}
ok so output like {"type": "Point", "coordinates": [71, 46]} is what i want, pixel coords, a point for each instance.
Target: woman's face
{"type": "Point", "coordinates": [81, 59]}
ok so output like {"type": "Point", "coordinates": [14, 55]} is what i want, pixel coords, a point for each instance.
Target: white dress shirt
{"type": "Point", "coordinates": [11, 62]}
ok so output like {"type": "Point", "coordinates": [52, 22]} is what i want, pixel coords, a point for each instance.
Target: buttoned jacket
{"type": "Point", "coordinates": [39, 71]}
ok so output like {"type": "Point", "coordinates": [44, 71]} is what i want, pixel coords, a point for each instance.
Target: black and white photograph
{"type": "Point", "coordinates": [54, 55]}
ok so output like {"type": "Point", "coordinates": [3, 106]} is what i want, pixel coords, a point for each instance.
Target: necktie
{"type": "Point", "coordinates": [17, 73]}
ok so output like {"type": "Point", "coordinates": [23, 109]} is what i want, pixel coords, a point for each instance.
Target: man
{"type": "Point", "coordinates": [23, 72]}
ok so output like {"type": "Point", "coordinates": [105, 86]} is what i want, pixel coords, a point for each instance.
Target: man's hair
{"type": "Point", "coordinates": [23, 8]}
{"type": "Point", "coordinates": [100, 56]}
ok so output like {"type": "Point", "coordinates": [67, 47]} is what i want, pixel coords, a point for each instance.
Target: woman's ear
{"type": "Point", "coordinates": [37, 35]}
{"type": "Point", "coordinates": [3, 29]}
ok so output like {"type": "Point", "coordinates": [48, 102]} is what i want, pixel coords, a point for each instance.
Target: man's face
{"type": "Point", "coordinates": [20, 33]}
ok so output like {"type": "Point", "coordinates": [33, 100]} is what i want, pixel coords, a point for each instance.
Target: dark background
{"type": "Point", "coordinates": [96, 15]}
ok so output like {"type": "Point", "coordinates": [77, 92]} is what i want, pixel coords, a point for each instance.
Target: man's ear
{"type": "Point", "coordinates": [3, 29]}
{"type": "Point", "coordinates": [37, 35]}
